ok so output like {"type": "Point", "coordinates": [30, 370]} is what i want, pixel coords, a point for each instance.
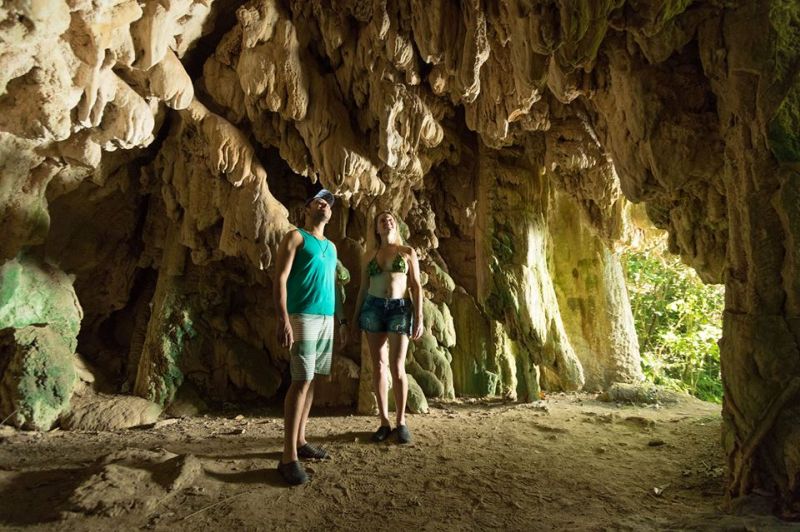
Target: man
{"type": "Point", "coordinates": [306, 300]}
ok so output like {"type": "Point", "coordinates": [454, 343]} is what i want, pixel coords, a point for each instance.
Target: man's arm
{"type": "Point", "coordinates": [362, 291]}
{"type": "Point", "coordinates": [338, 298]}
{"type": "Point", "coordinates": [283, 265]}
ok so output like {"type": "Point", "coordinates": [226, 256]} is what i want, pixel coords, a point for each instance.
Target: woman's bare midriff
{"type": "Point", "coordinates": [388, 285]}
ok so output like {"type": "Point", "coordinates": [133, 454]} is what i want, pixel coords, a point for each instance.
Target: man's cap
{"type": "Point", "coordinates": [324, 194]}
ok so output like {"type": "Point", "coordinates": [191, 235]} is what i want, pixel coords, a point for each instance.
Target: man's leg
{"type": "Point", "coordinates": [322, 326]}
{"type": "Point", "coordinates": [301, 363]}
{"type": "Point", "coordinates": [293, 407]}
{"type": "Point", "coordinates": [309, 399]}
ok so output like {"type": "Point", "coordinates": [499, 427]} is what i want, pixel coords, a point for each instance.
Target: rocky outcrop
{"type": "Point", "coordinates": [40, 318]}
{"type": "Point", "coordinates": [38, 376]}
{"type": "Point", "coordinates": [514, 285]}
{"type": "Point", "coordinates": [131, 477]}
{"type": "Point", "coordinates": [90, 411]}
{"type": "Point", "coordinates": [37, 293]}
{"type": "Point", "coordinates": [590, 287]}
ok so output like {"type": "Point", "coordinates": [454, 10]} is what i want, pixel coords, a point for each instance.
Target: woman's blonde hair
{"type": "Point", "coordinates": [375, 232]}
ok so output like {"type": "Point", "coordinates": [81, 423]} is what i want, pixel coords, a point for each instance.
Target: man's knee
{"type": "Point", "coordinates": [300, 387]}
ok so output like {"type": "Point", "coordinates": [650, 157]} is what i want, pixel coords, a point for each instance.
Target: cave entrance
{"type": "Point", "coordinates": [678, 317]}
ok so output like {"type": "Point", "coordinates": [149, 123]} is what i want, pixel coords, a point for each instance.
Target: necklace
{"type": "Point", "coordinates": [324, 250]}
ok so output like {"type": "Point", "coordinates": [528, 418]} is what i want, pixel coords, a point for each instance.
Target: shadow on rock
{"type": "Point", "coordinates": [33, 497]}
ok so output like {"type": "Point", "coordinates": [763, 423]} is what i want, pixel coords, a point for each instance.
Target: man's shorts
{"type": "Point", "coordinates": [312, 347]}
{"type": "Point", "coordinates": [380, 315]}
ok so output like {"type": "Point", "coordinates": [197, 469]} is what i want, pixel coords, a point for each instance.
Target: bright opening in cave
{"type": "Point", "coordinates": [678, 319]}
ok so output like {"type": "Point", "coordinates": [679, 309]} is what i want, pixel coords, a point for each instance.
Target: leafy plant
{"type": "Point", "coordinates": [678, 320]}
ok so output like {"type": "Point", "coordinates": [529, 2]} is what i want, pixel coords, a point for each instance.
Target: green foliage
{"type": "Point", "coordinates": [678, 320]}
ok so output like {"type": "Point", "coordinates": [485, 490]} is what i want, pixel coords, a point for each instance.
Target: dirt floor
{"type": "Point", "coordinates": [567, 463]}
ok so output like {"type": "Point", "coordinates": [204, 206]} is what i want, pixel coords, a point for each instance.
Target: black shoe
{"type": "Point", "coordinates": [403, 434]}
{"type": "Point", "coordinates": [312, 452]}
{"type": "Point", "coordinates": [382, 433]}
{"type": "Point", "coordinates": [293, 473]}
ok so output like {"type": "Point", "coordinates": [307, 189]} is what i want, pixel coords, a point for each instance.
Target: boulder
{"type": "Point", "coordinates": [37, 376]}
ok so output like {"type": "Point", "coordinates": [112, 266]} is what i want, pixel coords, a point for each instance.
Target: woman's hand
{"type": "Point", "coordinates": [285, 333]}
{"type": "Point", "coordinates": [419, 328]}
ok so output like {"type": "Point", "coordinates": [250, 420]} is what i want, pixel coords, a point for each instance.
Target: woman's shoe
{"type": "Point", "coordinates": [403, 434]}
{"type": "Point", "coordinates": [293, 473]}
{"type": "Point", "coordinates": [312, 452]}
{"type": "Point", "coordinates": [382, 433]}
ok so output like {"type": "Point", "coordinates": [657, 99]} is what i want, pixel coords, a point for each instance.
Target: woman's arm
{"type": "Point", "coordinates": [415, 287]}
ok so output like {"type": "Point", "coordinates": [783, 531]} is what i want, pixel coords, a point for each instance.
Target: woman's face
{"type": "Point", "coordinates": [385, 224]}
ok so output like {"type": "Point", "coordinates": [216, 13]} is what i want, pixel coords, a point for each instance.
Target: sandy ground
{"type": "Point", "coordinates": [567, 463]}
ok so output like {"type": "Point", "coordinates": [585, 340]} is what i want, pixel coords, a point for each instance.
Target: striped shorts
{"type": "Point", "coordinates": [313, 345]}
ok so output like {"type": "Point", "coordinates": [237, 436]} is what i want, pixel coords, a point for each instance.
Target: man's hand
{"type": "Point", "coordinates": [419, 328]}
{"type": "Point", "coordinates": [285, 333]}
{"type": "Point", "coordinates": [344, 336]}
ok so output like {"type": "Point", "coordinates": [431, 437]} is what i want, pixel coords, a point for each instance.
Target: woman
{"type": "Point", "coordinates": [390, 318]}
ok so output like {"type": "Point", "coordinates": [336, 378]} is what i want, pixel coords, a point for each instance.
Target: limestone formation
{"type": "Point", "coordinates": [158, 151]}
{"type": "Point", "coordinates": [38, 293]}
{"type": "Point", "coordinates": [342, 387]}
{"type": "Point", "coordinates": [640, 394]}
{"type": "Point", "coordinates": [131, 477]}
{"type": "Point", "coordinates": [90, 411]}
{"type": "Point", "coordinates": [590, 286]}
{"type": "Point", "coordinates": [38, 376]}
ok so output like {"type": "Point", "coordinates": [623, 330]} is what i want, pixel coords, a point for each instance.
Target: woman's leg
{"type": "Point", "coordinates": [398, 346]}
{"type": "Point", "coordinates": [380, 361]}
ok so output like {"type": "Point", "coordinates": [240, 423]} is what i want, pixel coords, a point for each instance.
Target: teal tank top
{"type": "Point", "coordinates": [312, 279]}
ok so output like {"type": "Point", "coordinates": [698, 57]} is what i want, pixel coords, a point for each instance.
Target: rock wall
{"type": "Point", "coordinates": [158, 151]}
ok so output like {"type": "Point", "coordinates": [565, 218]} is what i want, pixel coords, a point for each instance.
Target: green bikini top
{"type": "Point", "coordinates": [399, 265]}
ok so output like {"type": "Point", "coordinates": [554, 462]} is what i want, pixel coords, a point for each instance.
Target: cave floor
{"type": "Point", "coordinates": [569, 462]}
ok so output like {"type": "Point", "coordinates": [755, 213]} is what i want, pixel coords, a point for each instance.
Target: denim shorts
{"type": "Point", "coordinates": [379, 315]}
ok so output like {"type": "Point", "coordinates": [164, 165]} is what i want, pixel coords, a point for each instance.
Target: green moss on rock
{"type": "Point", "coordinates": [38, 376]}
{"type": "Point", "coordinates": [342, 273]}
{"type": "Point", "coordinates": [416, 402]}
{"type": "Point", "coordinates": [34, 293]}
{"type": "Point", "coordinates": [171, 328]}
{"type": "Point", "coordinates": [440, 322]}
{"type": "Point", "coordinates": [430, 385]}
{"type": "Point", "coordinates": [784, 16]}
{"type": "Point", "coordinates": [784, 128]}
{"type": "Point", "coordinates": [672, 9]}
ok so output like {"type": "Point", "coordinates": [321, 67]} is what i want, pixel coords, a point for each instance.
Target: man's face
{"type": "Point", "coordinates": [319, 210]}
